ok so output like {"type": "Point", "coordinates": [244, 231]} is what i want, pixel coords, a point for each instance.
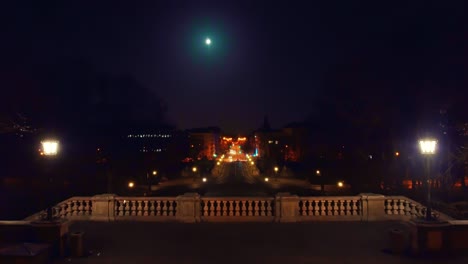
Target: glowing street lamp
{"type": "Point", "coordinates": [428, 149]}
{"type": "Point", "coordinates": [194, 169]}
{"type": "Point", "coordinates": [155, 173]}
{"type": "Point", "coordinates": [131, 185]}
{"type": "Point", "coordinates": [50, 147]}
{"type": "Point", "coordinates": [208, 41]}
{"type": "Point", "coordinates": [428, 146]}
{"type": "Point", "coordinates": [340, 184]}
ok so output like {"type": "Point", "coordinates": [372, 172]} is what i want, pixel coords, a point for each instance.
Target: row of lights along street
{"type": "Point", "coordinates": [50, 149]}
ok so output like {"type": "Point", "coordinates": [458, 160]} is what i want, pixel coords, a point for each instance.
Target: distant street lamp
{"type": "Point", "coordinates": [276, 173]}
{"type": "Point", "coordinates": [428, 149]}
{"type": "Point", "coordinates": [50, 149]}
{"type": "Point", "coordinates": [194, 169]}
{"type": "Point", "coordinates": [131, 185]}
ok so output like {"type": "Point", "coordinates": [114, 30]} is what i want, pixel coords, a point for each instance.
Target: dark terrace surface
{"type": "Point", "coordinates": [320, 242]}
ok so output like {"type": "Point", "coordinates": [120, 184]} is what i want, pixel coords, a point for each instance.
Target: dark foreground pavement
{"type": "Point", "coordinates": [320, 242]}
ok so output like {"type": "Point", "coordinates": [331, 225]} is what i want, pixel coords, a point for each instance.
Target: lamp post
{"type": "Point", "coordinates": [322, 183]}
{"type": "Point", "coordinates": [194, 170]}
{"type": "Point", "coordinates": [50, 149]}
{"type": "Point", "coordinates": [276, 173]}
{"type": "Point", "coordinates": [428, 149]}
{"type": "Point", "coordinates": [154, 173]}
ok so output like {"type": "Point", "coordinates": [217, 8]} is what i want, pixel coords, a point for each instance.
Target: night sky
{"type": "Point", "coordinates": [275, 58]}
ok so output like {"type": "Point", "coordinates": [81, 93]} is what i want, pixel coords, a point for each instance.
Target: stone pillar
{"type": "Point", "coordinates": [287, 207]}
{"type": "Point", "coordinates": [188, 208]}
{"type": "Point", "coordinates": [103, 207]}
{"type": "Point", "coordinates": [429, 237]}
{"type": "Point", "coordinates": [373, 207]}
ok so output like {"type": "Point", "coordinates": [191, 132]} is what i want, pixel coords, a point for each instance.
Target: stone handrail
{"type": "Point", "coordinates": [75, 208]}
{"type": "Point", "coordinates": [284, 207]}
{"type": "Point", "coordinates": [145, 208]}
{"type": "Point", "coordinates": [330, 208]}
{"type": "Point", "coordinates": [237, 208]}
{"type": "Point", "coordinates": [401, 206]}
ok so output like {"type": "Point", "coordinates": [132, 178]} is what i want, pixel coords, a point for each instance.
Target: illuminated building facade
{"type": "Point", "coordinates": [204, 142]}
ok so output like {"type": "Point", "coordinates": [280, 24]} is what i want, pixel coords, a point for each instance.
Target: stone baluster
{"type": "Point", "coordinates": [164, 208]}
{"type": "Point", "coordinates": [237, 208]}
{"type": "Point", "coordinates": [133, 207]}
{"type": "Point", "coordinates": [309, 210]}
{"type": "Point", "coordinates": [336, 210]}
{"type": "Point", "coordinates": [139, 208]}
{"type": "Point", "coordinates": [119, 208]}
{"type": "Point", "coordinates": [211, 208]}
{"type": "Point", "coordinates": [256, 208]}
{"type": "Point", "coordinates": [243, 208]}
{"type": "Point", "coordinates": [342, 206]}
{"type": "Point", "coordinates": [151, 208]}
{"type": "Point", "coordinates": [323, 207]}
{"type": "Point", "coordinates": [127, 208]}
{"type": "Point", "coordinates": [249, 208]}
{"type": "Point", "coordinates": [173, 207]}
{"type": "Point", "coordinates": [145, 208]}
{"type": "Point", "coordinates": [262, 208]}
{"type": "Point", "coordinates": [225, 208]}
{"type": "Point", "coordinates": [232, 211]}
{"type": "Point", "coordinates": [205, 208]}
{"type": "Point", "coordinates": [315, 207]}
{"type": "Point", "coordinates": [158, 208]}
{"type": "Point", "coordinates": [218, 208]}
{"type": "Point", "coordinates": [269, 209]}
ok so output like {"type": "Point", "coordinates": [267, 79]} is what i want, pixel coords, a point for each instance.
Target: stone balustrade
{"type": "Point", "coordinates": [237, 209]}
{"type": "Point", "coordinates": [75, 208]}
{"type": "Point", "coordinates": [284, 207]}
{"type": "Point", "coordinates": [398, 206]}
{"type": "Point", "coordinates": [145, 208]}
{"type": "Point", "coordinates": [330, 208]}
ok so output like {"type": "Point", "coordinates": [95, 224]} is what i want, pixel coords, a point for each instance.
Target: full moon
{"type": "Point", "coordinates": [208, 41]}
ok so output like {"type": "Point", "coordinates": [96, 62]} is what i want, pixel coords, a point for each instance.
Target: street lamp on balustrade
{"type": "Point", "coordinates": [50, 149]}
{"type": "Point", "coordinates": [428, 149]}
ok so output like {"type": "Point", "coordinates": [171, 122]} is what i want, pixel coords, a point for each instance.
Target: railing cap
{"type": "Point", "coordinates": [104, 196]}
{"type": "Point", "coordinates": [371, 196]}
{"type": "Point", "coordinates": [191, 195]}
